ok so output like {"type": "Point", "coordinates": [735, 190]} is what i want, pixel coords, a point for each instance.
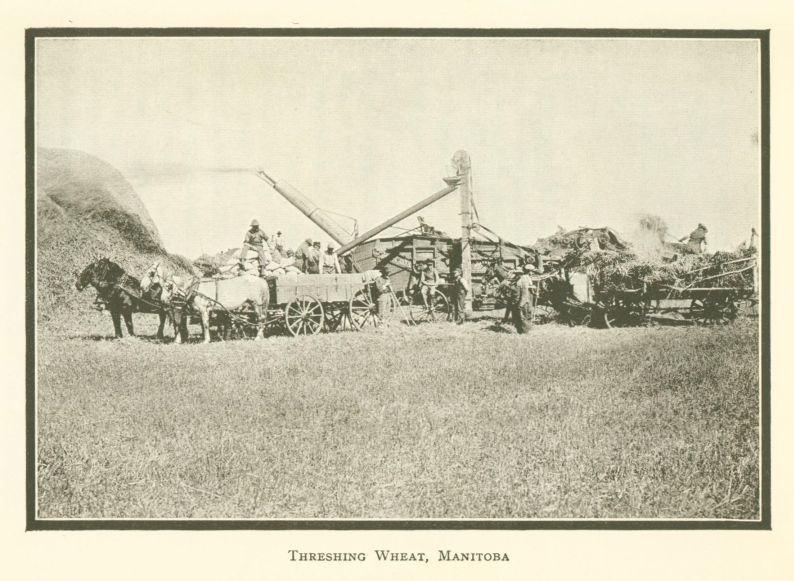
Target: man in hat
{"type": "Point", "coordinates": [522, 299]}
{"type": "Point", "coordinates": [301, 254]}
{"type": "Point", "coordinates": [383, 294]}
{"type": "Point", "coordinates": [460, 288]}
{"type": "Point", "coordinates": [697, 239]}
{"type": "Point", "coordinates": [255, 239]}
{"type": "Point", "coordinates": [278, 242]}
{"type": "Point", "coordinates": [428, 282]}
{"type": "Point", "coordinates": [330, 263]}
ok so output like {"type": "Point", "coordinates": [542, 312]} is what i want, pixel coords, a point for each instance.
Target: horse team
{"type": "Point", "coordinates": [122, 295]}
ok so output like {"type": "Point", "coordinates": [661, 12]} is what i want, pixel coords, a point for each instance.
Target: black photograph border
{"type": "Point", "coordinates": [33, 523]}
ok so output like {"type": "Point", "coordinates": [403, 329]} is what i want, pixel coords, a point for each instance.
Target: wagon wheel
{"type": "Point", "coordinates": [713, 310]}
{"type": "Point", "coordinates": [304, 316]}
{"type": "Point", "coordinates": [363, 310]}
{"type": "Point", "coordinates": [335, 316]}
{"type": "Point", "coordinates": [544, 313]}
{"type": "Point", "coordinates": [576, 315]}
{"type": "Point", "coordinates": [623, 313]}
{"type": "Point", "coordinates": [437, 310]}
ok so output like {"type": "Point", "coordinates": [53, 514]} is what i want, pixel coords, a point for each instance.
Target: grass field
{"type": "Point", "coordinates": [437, 421]}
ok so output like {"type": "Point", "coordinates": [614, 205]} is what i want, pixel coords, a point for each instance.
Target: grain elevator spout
{"type": "Point", "coordinates": [307, 207]}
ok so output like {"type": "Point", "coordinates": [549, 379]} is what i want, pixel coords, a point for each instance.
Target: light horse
{"type": "Point", "coordinates": [122, 294]}
{"type": "Point", "coordinates": [215, 295]}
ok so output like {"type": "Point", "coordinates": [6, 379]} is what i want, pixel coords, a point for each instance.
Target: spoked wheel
{"type": "Point", "coordinates": [335, 316]}
{"type": "Point", "coordinates": [713, 310]}
{"type": "Point", "coordinates": [543, 314]}
{"type": "Point", "coordinates": [304, 316]}
{"type": "Point", "coordinates": [624, 314]}
{"type": "Point", "coordinates": [438, 308]}
{"type": "Point", "coordinates": [363, 310]}
{"type": "Point", "coordinates": [576, 315]}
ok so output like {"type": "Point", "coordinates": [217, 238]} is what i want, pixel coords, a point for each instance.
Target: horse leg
{"type": "Point", "coordinates": [205, 323]}
{"type": "Point", "coordinates": [179, 318]}
{"type": "Point", "coordinates": [116, 316]}
{"type": "Point", "coordinates": [261, 316]}
{"type": "Point", "coordinates": [162, 315]}
{"type": "Point", "coordinates": [128, 321]}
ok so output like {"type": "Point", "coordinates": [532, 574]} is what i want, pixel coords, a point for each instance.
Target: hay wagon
{"type": "Point", "coordinates": [310, 303]}
{"type": "Point", "coordinates": [708, 296]}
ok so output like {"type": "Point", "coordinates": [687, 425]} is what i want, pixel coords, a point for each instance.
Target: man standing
{"type": "Point", "coordinates": [428, 282]}
{"type": "Point", "coordinates": [331, 261]}
{"type": "Point", "coordinates": [460, 288]}
{"type": "Point", "coordinates": [521, 301]}
{"type": "Point", "coordinates": [301, 254]}
{"type": "Point", "coordinates": [313, 257]}
{"type": "Point", "coordinates": [383, 294]}
{"type": "Point", "coordinates": [255, 239]}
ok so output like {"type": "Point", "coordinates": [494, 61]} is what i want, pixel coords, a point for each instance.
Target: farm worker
{"type": "Point", "coordinates": [289, 264]}
{"type": "Point", "coordinates": [313, 257]}
{"type": "Point", "coordinates": [301, 254]}
{"type": "Point", "coordinates": [460, 288]}
{"type": "Point", "coordinates": [383, 293]}
{"type": "Point", "coordinates": [278, 242]}
{"type": "Point", "coordinates": [753, 239]}
{"type": "Point", "coordinates": [330, 261]}
{"type": "Point", "coordinates": [255, 240]}
{"type": "Point", "coordinates": [697, 239]}
{"type": "Point", "coordinates": [428, 281]}
{"type": "Point", "coordinates": [521, 301]}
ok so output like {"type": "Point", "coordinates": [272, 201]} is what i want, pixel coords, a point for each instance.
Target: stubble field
{"type": "Point", "coordinates": [436, 421]}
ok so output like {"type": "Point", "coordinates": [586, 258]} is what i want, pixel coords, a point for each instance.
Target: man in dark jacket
{"type": "Point", "coordinates": [460, 288]}
{"type": "Point", "coordinates": [522, 300]}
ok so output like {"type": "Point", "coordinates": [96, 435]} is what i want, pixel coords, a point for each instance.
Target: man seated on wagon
{"type": "Point", "coordinates": [256, 240]}
{"type": "Point", "coordinates": [428, 282]}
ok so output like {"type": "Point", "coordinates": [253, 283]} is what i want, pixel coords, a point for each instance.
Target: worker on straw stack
{"type": "Point", "coordinates": [460, 288]}
{"type": "Point", "coordinates": [330, 261]}
{"type": "Point", "coordinates": [697, 239]}
{"type": "Point", "coordinates": [522, 300]}
{"type": "Point", "coordinates": [428, 282]}
{"type": "Point", "coordinates": [256, 240]}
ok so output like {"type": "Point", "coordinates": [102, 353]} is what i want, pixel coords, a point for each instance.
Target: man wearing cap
{"type": "Point", "coordinates": [330, 262]}
{"type": "Point", "coordinates": [428, 281]}
{"type": "Point", "coordinates": [521, 300]}
{"type": "Point", "coordinates": [255, 239]}
{"type": "Point", "coordinates": [697, 239]}
{"type": "Point", "coordinates": [460, 288]}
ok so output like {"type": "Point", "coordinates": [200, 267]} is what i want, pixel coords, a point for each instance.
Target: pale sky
{"type": "Point", "coordinates": [570, 132]}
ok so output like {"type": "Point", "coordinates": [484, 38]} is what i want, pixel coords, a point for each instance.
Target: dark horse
{"type": "Point", "coordinates": [122, 294]}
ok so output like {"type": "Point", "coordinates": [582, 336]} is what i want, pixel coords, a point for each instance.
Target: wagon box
{"type": "Point", "coordinates": [326, 288]}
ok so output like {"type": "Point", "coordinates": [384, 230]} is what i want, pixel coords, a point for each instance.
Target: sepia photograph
{"type": "Point", "coordinates": [397, 278]}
